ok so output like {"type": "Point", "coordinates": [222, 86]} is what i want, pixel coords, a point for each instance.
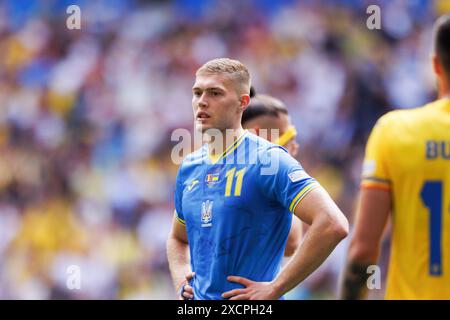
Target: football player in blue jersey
{"type": "Point", "coordinates": [233, 207]}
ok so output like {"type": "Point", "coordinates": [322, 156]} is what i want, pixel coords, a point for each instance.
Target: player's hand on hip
{"type": "Point", "coordinates": [186, 291]}
{"type": "Point", "coordinates": [252, 291]}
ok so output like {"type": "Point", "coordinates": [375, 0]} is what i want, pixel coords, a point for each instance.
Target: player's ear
{"type": "Point", "coordinates": [437, 67]}
{"type": "Point", "coordinates": [245, 101]}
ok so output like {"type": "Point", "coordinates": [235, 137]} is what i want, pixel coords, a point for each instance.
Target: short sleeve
{"type": "Point", "coordinates": [375, 172]}
{"type": "Point", "coordinates": [287, 183]}
{"type": "Point", "coordinates": [178, 198]}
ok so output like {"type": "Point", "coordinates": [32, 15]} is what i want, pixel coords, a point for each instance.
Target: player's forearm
{"type": "Point", "coordinates": [320, 240]}
{"type": "Point", "coordinates": [360, 257]}
{"type": "Point", "coordinates": [179, 260]}
{"type": "Point", "coordinates": [365, 244]}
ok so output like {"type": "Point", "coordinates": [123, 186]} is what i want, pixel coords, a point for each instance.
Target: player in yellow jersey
{"type": "Point", "coordinates": [407, 175]}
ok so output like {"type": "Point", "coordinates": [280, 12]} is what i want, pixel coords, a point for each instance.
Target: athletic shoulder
{"type": "Point", "coordinates": [406, 117]}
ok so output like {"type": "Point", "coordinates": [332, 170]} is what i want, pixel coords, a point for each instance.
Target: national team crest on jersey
{"type": "Point", "coordinates": [207, 213]}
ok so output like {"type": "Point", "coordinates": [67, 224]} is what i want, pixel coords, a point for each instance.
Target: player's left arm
{"type": "Point", "coordinates": [294, 237]}
{"type": "Point", "coordinates": [328, 226]}
{"type": "Point", "coordinates": [373, 209]}
{"type": "Point", "coordinates": [371, 219]}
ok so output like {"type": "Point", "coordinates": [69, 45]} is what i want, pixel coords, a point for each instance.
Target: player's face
{"type": "Point", "coordinates": [216, 103]}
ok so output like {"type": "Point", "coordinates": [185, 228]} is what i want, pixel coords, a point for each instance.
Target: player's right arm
{"type": "Point", "coordinates": [178, 245]}
{"type": "Point", "coordinates": [371, 219]}
{"type": "Point", "coordinates": [178, 256]}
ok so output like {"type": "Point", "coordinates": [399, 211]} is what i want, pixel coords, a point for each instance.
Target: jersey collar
{"type": "Point", "coordinates": [230, 149]}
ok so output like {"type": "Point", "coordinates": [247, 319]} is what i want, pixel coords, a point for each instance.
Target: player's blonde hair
{"type": "Point", "coordinates": [234, 69]}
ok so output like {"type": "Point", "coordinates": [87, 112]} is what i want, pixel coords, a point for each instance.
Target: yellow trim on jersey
{"type": "Point", "coordinates": [231, 148]}
{"type": "Point", "coordinates": [301, 195]}
{"type": "Point", "coordinates": [193, 183]}
{"type": "Point", "coordinates": [179, 219]}
{"type": "Point", "coordinates": [376, 183]}
{"type": "Point", "coordinates": [290, 133]}
{"type": "Point", "coordinates": [375, 186]}
{"type": "Point", "coordinates": [214, 158]}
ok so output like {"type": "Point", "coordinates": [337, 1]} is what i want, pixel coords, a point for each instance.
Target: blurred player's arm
{"type": "Point", "coordinates": [294, 238]}
{"type": "Point", "coordinates": [178, 256]}
{"type": "Point", "coordinates": [371, 220]}
{"type": "Point", "coordinates": [372, 212]}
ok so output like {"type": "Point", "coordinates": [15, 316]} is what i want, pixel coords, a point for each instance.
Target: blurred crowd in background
{"type": "Point", "coordinates": [86, 116]}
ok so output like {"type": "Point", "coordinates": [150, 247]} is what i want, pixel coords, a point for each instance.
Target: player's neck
{"type": "Point", "coordinates": [444, 95]}
{"type": "Point", "coordinates": [443, 88]}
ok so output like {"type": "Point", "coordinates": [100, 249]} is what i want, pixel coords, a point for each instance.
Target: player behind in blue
{"type": "Point", "coordinates": [233, 205]}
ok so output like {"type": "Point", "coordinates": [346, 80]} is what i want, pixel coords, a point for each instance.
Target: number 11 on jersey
{"type": "Point", "coordinates": [230, 178]}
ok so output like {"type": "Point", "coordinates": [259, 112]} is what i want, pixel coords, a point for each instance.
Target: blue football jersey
{"type": "Point", "coordinates": [238, 211]}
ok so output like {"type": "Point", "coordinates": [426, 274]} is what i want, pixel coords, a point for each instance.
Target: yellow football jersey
{"type": "Point", "coordinates": [408, 153]}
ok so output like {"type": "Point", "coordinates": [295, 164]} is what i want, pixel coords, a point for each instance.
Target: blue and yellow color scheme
{"type": "Point", "coordinates": [238, 219]}
{"type": "Point", "coordinates": [408, 154]}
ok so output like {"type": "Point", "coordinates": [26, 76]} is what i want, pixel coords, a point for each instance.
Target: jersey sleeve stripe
{"type": "Point", "coordinates": [302, 194]}
{"type": "Point", "coordinates": [375, 185]}
{"type": "Point", "coordinates": [179, 219]}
